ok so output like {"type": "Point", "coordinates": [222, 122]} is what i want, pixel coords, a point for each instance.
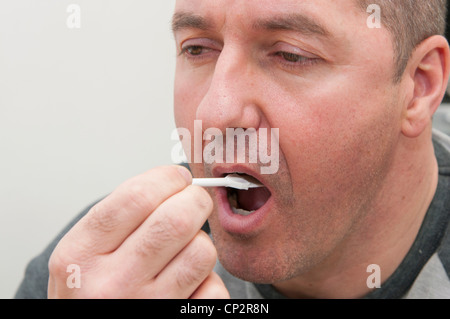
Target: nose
{"type": "Point", "coordinates": [232, 97]}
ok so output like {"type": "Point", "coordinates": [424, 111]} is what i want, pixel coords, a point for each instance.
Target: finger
{"type": "Point", "coordinates": [188, 269]}
{"type": "Point", "coordinates": [111, 221]}
{"type": "Point", "coordinates": [170, 228]}
{"type": "Point", "coordinates": [212, 288]}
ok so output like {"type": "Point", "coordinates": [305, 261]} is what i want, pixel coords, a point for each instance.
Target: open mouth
{"type": "Point", "coordinates": [246, 202]}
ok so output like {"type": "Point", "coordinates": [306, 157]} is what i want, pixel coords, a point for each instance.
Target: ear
{"type": "Point", "coordinates": [429, 68]}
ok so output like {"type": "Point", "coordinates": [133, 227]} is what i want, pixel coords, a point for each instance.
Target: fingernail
{"type": "Point", "coordinates": [185, 173]}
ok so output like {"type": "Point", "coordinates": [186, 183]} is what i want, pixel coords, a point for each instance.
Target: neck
{"type": "Point", "coordinates": [384, 235]}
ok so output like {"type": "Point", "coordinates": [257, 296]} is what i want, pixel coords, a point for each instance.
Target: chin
{"type": "Point", "coordinates": [252, 261]}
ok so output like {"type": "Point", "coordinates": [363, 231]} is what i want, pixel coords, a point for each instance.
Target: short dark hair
{"type": "Point", "coordinates": [410, 22]}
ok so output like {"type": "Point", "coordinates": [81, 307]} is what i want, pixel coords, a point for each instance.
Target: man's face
{"type": "Point", "coordinates": [317, 72]}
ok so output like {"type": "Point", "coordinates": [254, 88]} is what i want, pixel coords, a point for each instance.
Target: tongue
{"type": "Point", "coordinates": [253, 199]}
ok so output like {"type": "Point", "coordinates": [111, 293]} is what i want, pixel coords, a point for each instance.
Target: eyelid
{"type": "Point", "coordinates": [201, 42]}
{"type": "Point", "coordinates": [288, 48]}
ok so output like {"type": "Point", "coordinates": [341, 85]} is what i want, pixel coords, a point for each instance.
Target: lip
{"type": "Point", "coordinates": [234, 223]}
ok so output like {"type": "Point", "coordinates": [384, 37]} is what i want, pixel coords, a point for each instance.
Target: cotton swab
{"type": "Point", "coordinates": [233, 181]}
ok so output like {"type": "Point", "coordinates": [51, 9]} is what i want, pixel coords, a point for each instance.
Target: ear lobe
{"type": "Point", "coordinates": [429, 69]}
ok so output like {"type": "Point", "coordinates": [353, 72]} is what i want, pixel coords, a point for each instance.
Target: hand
{"type": "Point", "coordinates": [142, 241]}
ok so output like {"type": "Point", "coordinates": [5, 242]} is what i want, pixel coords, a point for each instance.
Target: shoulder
{"type": "Point", "coordinates": [442, 149]}
{"type": "Point", "coordinates": [441, 142]}
{"type": "Point", "coordinates": [434, 278]}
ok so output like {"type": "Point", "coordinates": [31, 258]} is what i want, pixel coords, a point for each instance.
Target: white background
{"type": "Point", "coordinates": [81, 110]}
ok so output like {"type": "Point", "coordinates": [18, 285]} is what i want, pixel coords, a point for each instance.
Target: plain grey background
{"type": "Point", "coordinates": [81, 111]}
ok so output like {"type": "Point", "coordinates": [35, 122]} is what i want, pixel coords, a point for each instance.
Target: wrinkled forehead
{"type": "Point", "coordinates": [222, 12]}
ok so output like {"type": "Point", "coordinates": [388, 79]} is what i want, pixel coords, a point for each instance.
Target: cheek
{"type": "Point", "coordinates": [190, 88]}
{"type": "Point", "coordinates": [184, 99]}
{"type": "Point", "coordinates": [337, 140]}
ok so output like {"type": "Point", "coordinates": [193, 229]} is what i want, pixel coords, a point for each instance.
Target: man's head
{"type": "Point", "coordinates": [348, 131]}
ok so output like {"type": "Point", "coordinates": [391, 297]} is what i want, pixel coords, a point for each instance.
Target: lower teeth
{"type": "Point", "coordinates": [242, 212]}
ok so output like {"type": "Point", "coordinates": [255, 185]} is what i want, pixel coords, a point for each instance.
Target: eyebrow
{"type": "Point", "coordinates": [189, 20]}
{"type": "Point", "coordinates": [291, 22]}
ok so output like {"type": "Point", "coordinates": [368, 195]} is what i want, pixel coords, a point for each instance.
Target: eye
{"type": "Point", "coordinates": [293, 61]}
{"type": "Point", "coordinates": [291, 57]}
{"type": "Point", "coordinates": [200, 50]}
{"type": "Point", "coordinates": [198, 54]}
{"type": "Point", "coordinates": [194, 50]}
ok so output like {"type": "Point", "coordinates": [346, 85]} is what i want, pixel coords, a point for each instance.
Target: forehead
{"type": "Point", "coordinates": [330, 14]}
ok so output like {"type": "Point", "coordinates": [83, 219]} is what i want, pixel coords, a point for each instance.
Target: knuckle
{"type": "Point", "coordinates": [57, 265]}
{"type": "Point", "coordinates": [201, 259]}
{"type": "Point", "coordinates": [202, 199]}
{"type": "Point", "coordinates": [190, 276]}
{"type": "Point", "coordinates": [137, 193]}
{"type": "Point", "coordinates": [209, 252]}
{"type": "Point", "coordinates": [165, 231]}
{"type": "Point", "coordinates": [146, 190]}
{"type": "Point", "coordinates": [102, 218]}
{"type": "Point", "coordinates": [178, 225]}
{"type": "Point", "coordinates": [173, 174]}
{"type": "Point", "coordinates": [60, 260]}
{"type": "Point", "coordinates": [186, 277]}
{"type": "Point", "coordinates": [157, 238]}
